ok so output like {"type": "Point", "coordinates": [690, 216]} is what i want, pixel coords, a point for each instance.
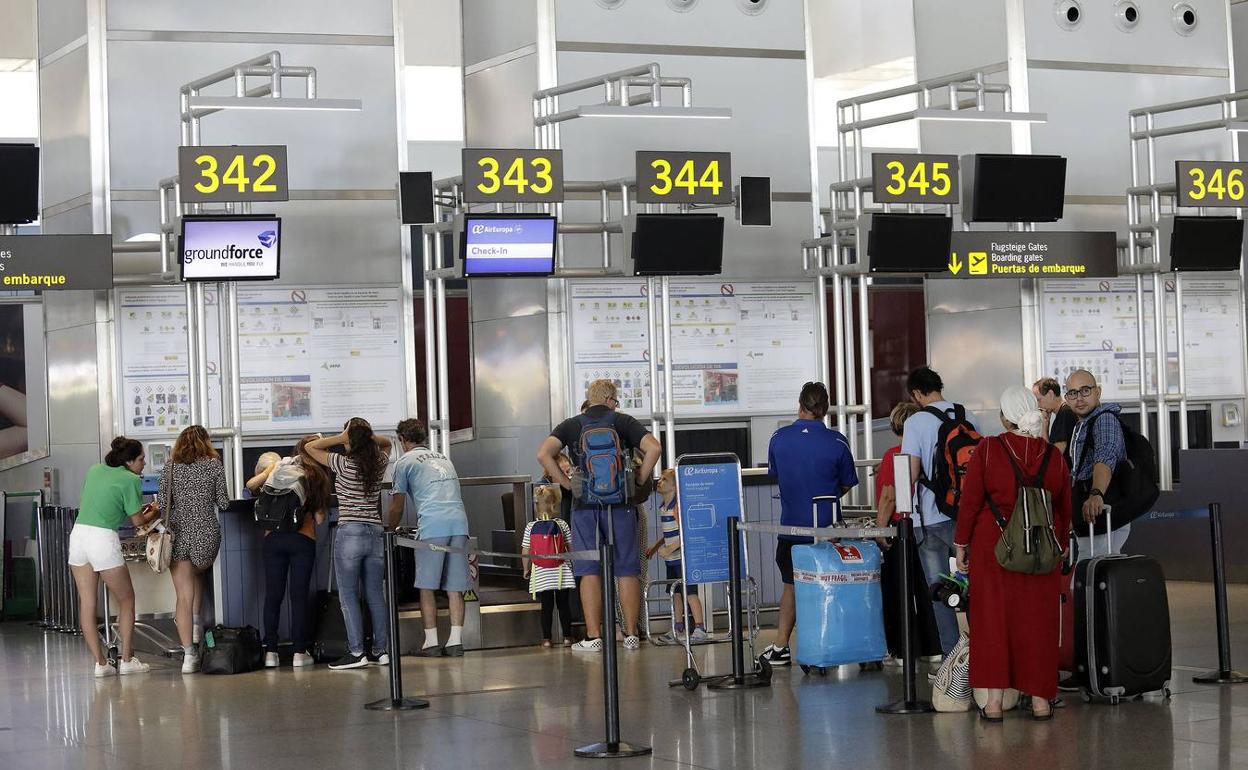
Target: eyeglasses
{"type": "Point", "coordinates": [613, 400]}
{"type": "Point", "coordinates": [1077, 393]}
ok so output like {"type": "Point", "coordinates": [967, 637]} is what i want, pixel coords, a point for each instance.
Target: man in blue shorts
{"type": "Point", "coordinates": [589, 523]}
{"type": "Point", "coordinates": [809, 460]}
{"type": "Point", "coordinates": [426, 481]}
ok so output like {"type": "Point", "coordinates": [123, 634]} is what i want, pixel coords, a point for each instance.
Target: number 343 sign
{"type": "Point", "coordinates": [233, 173]}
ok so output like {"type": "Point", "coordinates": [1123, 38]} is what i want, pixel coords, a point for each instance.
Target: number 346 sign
{"type": "Point", "coordinates": [233, 173]}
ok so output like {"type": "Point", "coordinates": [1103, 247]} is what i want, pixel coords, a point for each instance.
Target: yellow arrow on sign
{"type": "Point", "coordinates": [955, 265]}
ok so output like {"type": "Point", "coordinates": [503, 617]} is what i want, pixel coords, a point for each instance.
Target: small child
{"type": "Point", "coordinates": [550, 580]}
{"type": "Point", "coordinates": [668, 546]}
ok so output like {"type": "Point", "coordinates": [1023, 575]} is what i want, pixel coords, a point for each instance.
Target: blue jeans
{"type": "Point", "coordinates": [359, 557]}
{"type": "Point", "coordinates": [935, 543]}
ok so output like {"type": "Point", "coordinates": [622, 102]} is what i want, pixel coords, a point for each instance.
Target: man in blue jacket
{"type": "Point", "coordinates": [809, 460]}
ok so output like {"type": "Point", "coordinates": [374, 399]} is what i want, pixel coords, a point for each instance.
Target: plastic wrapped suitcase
{"type": "Point", "coordinates": [840, 608]}
{"type": "Point", "coordinates": [1122, 626]}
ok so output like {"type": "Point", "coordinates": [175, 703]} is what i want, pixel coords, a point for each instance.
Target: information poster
{"type": "Point", "coordinates": [310, 358]}
{"type": "Point", "coordinates": [708, 494]}
{"type": "Point", "coordinates": [739, 347]}
{"type": "Point", "coordinates": [1091, 324]}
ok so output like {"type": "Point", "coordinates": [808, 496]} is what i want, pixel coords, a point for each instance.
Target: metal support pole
{"type": "Point", "coordinates": [1225, 673]}
{"type": "Point", "coordinates": [652, 327]}
{"type": "Point", "coordinates": [669, 363]}
{"type": "Point", "coordinates": [45, 564]}
{"type": "Point", "coordinates": [909, 704]}
{"type": "Point", "coordinates": [444, 396]}
{"type": "Point", "coordinates": [396, 701]}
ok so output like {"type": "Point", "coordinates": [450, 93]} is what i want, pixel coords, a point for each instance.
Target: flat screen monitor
{"type": "Point", "coordinates": [517, 245]}
{"type": "Point", "coordinates": [909, 243]}
{"type": "Point", "coordinates": [19, 184]}
{"type": "Point", "coordinates": [1013, 188]}
{"type": "Point", "coordinates": [416, 197]}
{"type": "Point", "coordinates": [678, 244]}
{"type": "Point", "coordinates": [230, 248]}
{"type": "Point", "coordinates": [755, 201]}
{"type": "Point", "coordinates": [1206, 243]}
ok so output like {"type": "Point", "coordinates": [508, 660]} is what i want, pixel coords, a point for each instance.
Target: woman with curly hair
{"type": "Point", "coordinates": [359, 543]}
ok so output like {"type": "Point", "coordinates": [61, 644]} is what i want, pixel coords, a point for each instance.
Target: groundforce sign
{"type": "Point", "coordinates": [1032, 255]}
{"type": "Point", "coordinates": [56, 262]}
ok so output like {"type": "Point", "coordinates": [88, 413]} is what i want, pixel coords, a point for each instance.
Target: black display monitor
{"type": "Point", "coordinates": [223, 247]}
{"type": "Point", "coordinates": [678, 244]}
{"type": "Point", "coordinates": [909, 243]}
{"type": "Point", "coordinates": [1206, 243]}
{"type": "Point", "coordinates": [416, 197]}
{"type": "Point", "coordinates": [755, 201]}
{"type": "Point", "coordinates": [1013, 188]}
{"type": "Point", "coordinates": [19, 184]}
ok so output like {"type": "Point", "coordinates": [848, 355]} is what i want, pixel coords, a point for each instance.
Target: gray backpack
{"type": "Point", "coordinates": [1028, 543]}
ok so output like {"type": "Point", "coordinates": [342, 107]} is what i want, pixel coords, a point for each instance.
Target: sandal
{"type": "Point", "coordinates": [984, 715]}
{"type": "Point", "coordinates": [546, 644]}
{"type": "Point", "coordinates": [1042, 716]}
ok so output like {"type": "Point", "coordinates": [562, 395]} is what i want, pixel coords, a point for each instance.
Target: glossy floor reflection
{"type": "Point", "coordinates": [529, 708]}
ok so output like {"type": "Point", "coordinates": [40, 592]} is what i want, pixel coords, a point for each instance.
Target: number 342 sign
{"type": "Point", "coordinates": [233, 173]}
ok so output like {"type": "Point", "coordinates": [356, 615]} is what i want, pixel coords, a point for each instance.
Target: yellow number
{"type": "Point", "coordinates": [208, 170]}
{"type": "Point", "coordinates": [663, 175]}
{"type": "Point", "coordinates": [1235, 184]}
{"type": "Point", "coordinates": [918, 178]}
{"type": "Point", "coordinates": [710, 178]}
{"type": "Point", "coordinates": [941, 183]}
{"type": "Point", "coordinates": [541, 170]}
{"type": "Point", "coordinates": [492, 183]}
{"type": "Point", "coordinates": [898, 176]}
{"type": "Point", "coordinates": [261, 185]}
{"type": "Point", "coordinates": [1198, 182]}
{"type": "Point", "coordinates": [686, 178]}
{"type": "Point", "coordinates": [1216, 187]}
{"type": "Point", "coordinates": [515, 176]}
{"type": "Point", "coordinates": [235, 175]}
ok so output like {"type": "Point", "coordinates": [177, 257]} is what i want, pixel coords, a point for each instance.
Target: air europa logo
{"type": "Point", "coordinates": [267, 239]}
{"type": "Point", "coordinates": [516, 229]}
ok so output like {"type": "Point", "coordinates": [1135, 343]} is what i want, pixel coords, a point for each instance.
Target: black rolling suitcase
{"type": "Point", "coordinates": [1122, 625]}
{"type": "Point", "coordinates": [329, 635]}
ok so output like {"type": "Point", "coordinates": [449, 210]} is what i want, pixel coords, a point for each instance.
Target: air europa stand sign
{"type": "Point", "coordinates": [56, 262]}
{"type": "Point", "coordinates": [1001, 254]}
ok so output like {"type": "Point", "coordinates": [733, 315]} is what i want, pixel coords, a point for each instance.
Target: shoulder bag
{"type": "Point", "coordinates": [159, 538]}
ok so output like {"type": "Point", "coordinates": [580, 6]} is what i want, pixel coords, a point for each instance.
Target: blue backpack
{"type": "Point", "coordinates": [605, 472]}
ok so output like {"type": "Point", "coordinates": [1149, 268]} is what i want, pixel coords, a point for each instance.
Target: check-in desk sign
{"type": "Point", "coordinates": [1002, 254]}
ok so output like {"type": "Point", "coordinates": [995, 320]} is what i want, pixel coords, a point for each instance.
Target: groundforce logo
{"type": "Point", "coordinates": [267, 239]}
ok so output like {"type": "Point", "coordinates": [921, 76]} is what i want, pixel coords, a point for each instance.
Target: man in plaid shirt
{"type": "Point", "coordinates": [1096, 448]}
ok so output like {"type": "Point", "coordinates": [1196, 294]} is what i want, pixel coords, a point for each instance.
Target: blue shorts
{"type": "Point", "coordinates": [437, 570]}
{"type": "Point", "coordinates": [589, 528]}
{"type": "Point", "coordinates": [673, 573]}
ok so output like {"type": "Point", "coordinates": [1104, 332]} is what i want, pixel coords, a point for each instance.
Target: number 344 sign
{"type": "Point", "coordinates": [233, 173]}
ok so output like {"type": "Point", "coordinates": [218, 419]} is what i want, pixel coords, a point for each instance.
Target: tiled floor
{"type": "Point", "coordinates": [529, 708]}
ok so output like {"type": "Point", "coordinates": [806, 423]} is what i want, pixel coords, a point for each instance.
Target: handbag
{"type": "Point", "coordinates": [160, 539]}
{"type": "Point", "coordinates": [231, 650]}
{"type": "Point", "coordinates": [951, 691]}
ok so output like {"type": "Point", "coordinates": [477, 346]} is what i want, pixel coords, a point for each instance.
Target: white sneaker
{"type": "Point", "coordinates": [699, 636]}
{"type": "Point", "coordinates": [588, 645]}
{"type": "Point", "coordinates": [381, 660]}
{"type": "Point", "coordinates": [632, 643]}
{"type": "Point", "coordinates": [935, 660]}
{"type": "Point", "coordinates": [133, 666]}
{"type": "Point", "coordinates": [103, 671]}
{"type": "Point", "coordinates": [197, 634]}
{"type": "Point", "coordinates": [303, 659]}
{"type": "Point", "coordinates": [190, 663]}
{"type": "Point", "coordinates": [892, 662]}
{"type": "Point", "coordinates": [271, 660]}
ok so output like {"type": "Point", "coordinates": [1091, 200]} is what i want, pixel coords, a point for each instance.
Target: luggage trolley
{"type": "Point", "coordinates": [133, 549]}
{"type": "Point", "coordinates": [708, 493]}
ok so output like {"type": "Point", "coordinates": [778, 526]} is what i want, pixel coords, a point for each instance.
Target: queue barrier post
{"type": "Point", "coordinates": [1225, 674]}
{"type": "Point", "coordinates": [396, 701]}
{"type": "Point", "coordinates": [909, 703]}
{"type": "Point", "coordinates": [740, 679]}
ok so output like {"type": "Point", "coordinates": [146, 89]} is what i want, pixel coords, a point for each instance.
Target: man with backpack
{"type": "Point", "coordinates": [601, 442]}
{"type": "Point", "coordinates": [940, 439]}
{"type": "Point", "coordinates": [1097, 447]}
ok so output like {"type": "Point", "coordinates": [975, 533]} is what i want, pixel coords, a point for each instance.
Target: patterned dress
{"type": "Point", "coordinates": [191, 495]}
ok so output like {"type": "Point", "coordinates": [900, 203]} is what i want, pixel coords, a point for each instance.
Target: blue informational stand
{"type": "Point", "coordinates": [708, 493]}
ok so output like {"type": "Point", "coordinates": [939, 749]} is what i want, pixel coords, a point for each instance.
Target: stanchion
{"type": "Point", "coordinates": [396, 701]}
{"type": "Point", "coordinates": [1225, 673]}
{"type": "Point", "coordinates": [612, 747]}
{"type": "Point", "coordinates": [740, 680]}
{"type": "Point", "coordinates": [910, 703]}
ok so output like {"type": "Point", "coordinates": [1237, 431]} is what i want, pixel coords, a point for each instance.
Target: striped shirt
{"type": "Point", "coordinates": [671, 533]}
{"type": "Point", "coordinates": [354, 504]}
{"type": "Point", "coordinates": [548, 578]}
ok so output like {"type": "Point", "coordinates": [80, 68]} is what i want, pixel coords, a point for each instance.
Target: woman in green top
{"type": "Point", "coordinates": [111, 493]}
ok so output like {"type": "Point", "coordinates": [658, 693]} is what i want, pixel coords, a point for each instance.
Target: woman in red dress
{"type": "Point", "coordinates": [1013, 617]}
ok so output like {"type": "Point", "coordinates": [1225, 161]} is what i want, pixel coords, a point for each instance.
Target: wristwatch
{"type": "Point", "coordinates": [1096, 493]}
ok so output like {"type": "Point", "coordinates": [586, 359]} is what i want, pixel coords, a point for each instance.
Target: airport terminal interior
{"type": "Point", "coordinates": [623, 383]}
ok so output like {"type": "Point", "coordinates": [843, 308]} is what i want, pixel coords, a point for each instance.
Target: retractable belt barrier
{"type": "Point", "coordinates": [407, 541]}
{"type": "Point", "coordinates": [827, 533]}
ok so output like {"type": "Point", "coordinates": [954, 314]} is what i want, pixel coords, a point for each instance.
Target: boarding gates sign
{"type": "Point", "coordinates": [708, 493]}
{"type": "Point", "coordinates": [56, 262]}
{"type": "Point", "coordinates": [1002, 254]}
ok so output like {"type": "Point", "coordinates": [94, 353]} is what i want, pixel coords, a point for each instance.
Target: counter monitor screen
{"type": "Point", "coordinates": [19, 184]}
{"type": "Point", "coordinates": [678, 244]}
{"type": "Point", "coordinates": [1013, 188]}
{"type": "Point", "coordinates": [496, 245]}
{"type": "Point", "coordinates": [1206, 243]}
{"type": "Point", "coordinates": [909, 243]}
{"type": "Point", "coordinates": [230, 248]}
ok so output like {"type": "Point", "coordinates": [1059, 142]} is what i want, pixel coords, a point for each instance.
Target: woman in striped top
{"type": "Point", "coordinates": [552, 585]}
{"type": "Point", "coordinates": [668, 546]}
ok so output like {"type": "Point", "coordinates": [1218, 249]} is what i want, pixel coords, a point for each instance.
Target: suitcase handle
{"type": "Point", "coordinates": [837, 518]}
{"type": "Point", "coordinates": [1109, 528]}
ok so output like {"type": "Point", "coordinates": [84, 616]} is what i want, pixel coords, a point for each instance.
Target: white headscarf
{"type": "Point", "coordinates": [1018, 405]}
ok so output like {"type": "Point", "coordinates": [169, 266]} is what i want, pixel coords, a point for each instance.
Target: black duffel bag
{"type": "Point", "coordinates": [231, 650]}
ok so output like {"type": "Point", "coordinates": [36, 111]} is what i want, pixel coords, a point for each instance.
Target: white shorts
{"type": "Point", "coordinates": [99, 547]}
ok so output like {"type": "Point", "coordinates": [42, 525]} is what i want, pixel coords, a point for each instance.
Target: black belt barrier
{"type": "Point", "coordinates": [1225, 673]}
{"type": "Point", "coordinates": [910, 703]}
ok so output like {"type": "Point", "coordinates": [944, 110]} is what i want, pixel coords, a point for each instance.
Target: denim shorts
{"type": "Point", "coordinates": [441, 571]}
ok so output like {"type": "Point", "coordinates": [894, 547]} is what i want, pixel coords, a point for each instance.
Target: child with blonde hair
{"type": "Point", "coordinates": [550, 580]}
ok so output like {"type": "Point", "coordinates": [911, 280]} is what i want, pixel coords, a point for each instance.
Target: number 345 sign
{"type": "Point", "coordinates": [233, 173]}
